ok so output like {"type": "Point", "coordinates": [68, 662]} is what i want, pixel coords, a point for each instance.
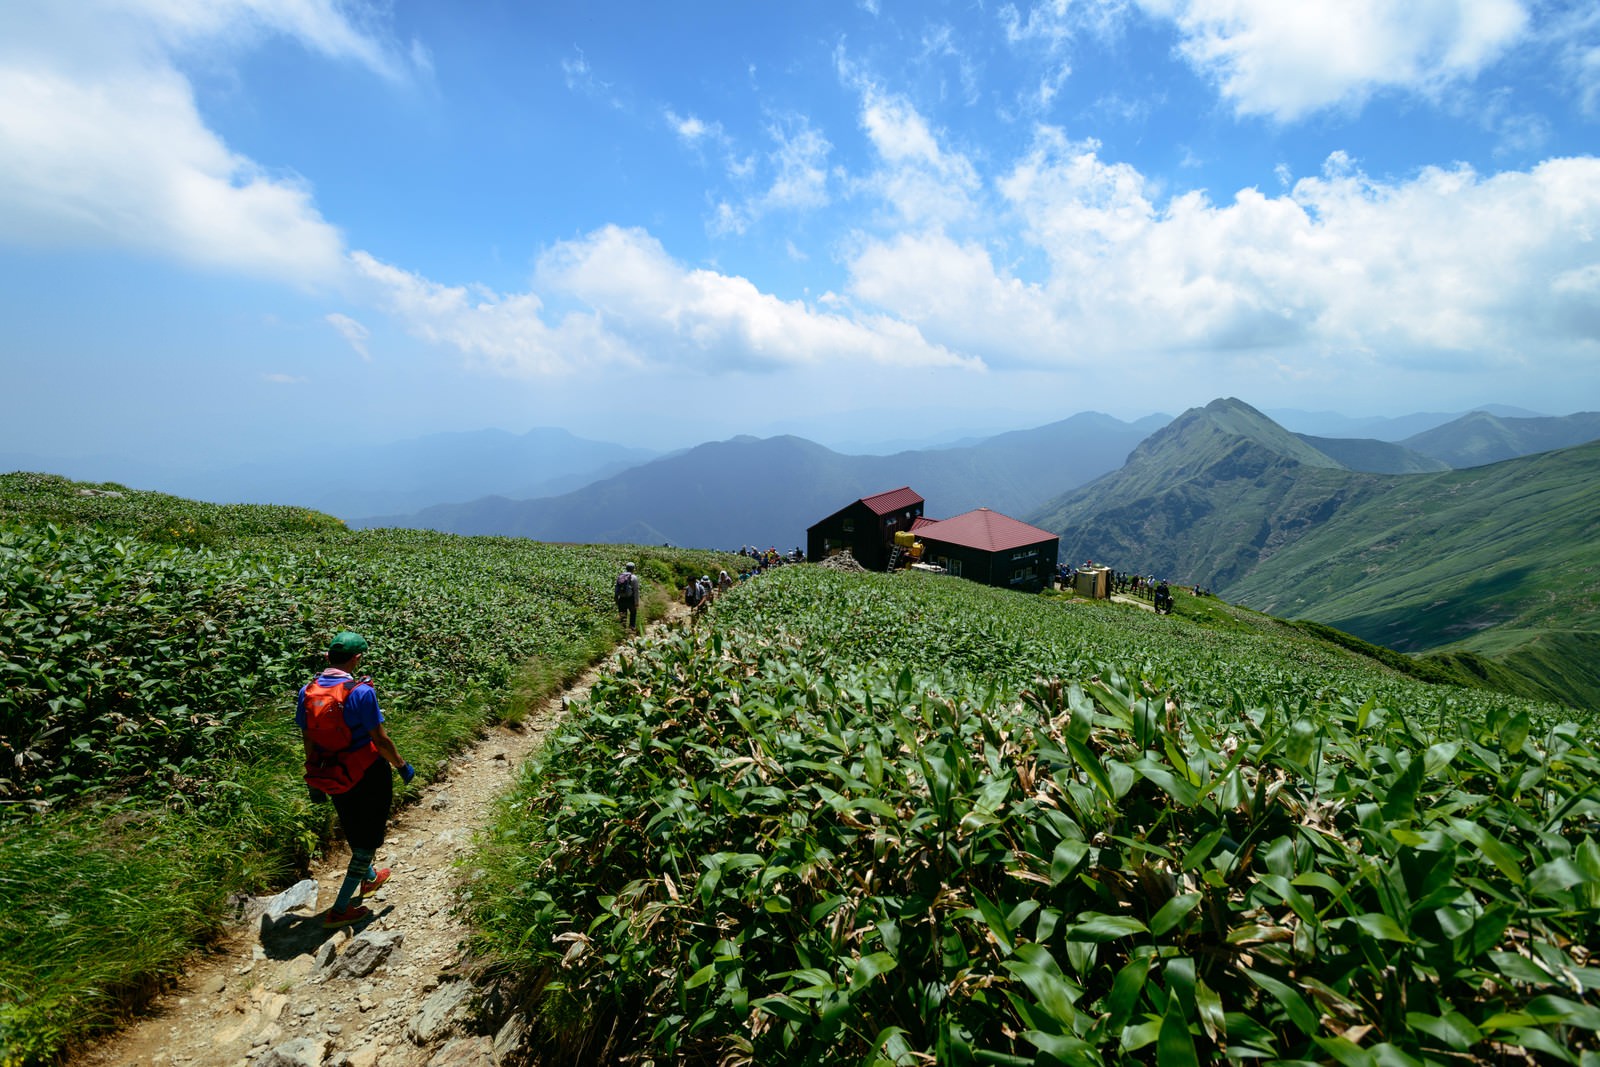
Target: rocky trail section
{"type": "Point", "coordinates": [280, 991]}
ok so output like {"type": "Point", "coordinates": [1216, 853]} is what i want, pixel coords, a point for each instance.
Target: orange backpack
{"type": "Point", "coordinates": [334, 765]}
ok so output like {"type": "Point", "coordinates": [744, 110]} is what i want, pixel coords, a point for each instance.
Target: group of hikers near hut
{"type": "Point", "coordinates": [698, 593]}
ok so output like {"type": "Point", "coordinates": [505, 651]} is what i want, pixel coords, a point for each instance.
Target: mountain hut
{"type": "Point", "coordinates": [986, 546]}
{"type": "Point", "coordinates": [866, 527]}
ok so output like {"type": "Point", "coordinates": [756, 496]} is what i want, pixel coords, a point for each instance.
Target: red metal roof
{"type": "Point", "coordinates": [893, 500]}
{"type": "Point", "coordinates": [986, 530]}
{"type": "Point", "coordinates": [920, 521]}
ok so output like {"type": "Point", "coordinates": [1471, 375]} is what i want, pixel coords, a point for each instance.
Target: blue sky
{"type": "Point", "coordinates": [234, 226]}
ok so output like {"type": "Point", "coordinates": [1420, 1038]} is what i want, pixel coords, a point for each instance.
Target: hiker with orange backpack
{"type": "Point", "coordinates": [348, 756]}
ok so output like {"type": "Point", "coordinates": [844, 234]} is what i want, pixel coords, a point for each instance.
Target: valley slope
{"type": "Point", "coordinates": [1497, 566]}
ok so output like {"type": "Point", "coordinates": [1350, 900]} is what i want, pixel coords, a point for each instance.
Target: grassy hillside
{"type": "Point", "coordinates": [895, 819]}
{"type": "Point", "coordinates": [1496, 565]}
{"type": "Point", "coordinates": [1206, 498]}
{"type": "Point", "coordinates": [1374, 457]}
{"type": "Point", "coordinates": [877, 818]}
{"type": "Point", "coordinates": [1502, 561]}
{"type": "Point", "coordinates": [151, 648]}
{"type": "Point", "coordinates": [1479, 438]}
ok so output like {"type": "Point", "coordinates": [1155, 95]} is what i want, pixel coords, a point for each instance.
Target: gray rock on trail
{"type": "Point", "coordinates": [444, 1008]}
{"type": "Point", "coordinates": [365, 953]}
{"type": "Point", "coordinates": [367, 1055]}
{"type": "Point", "coordinates": [301, 1052]}
{"type": "Point", "coordinates": [302, 894]}
{"type": "Point", "coordinates": [247, 910]}
{"type": "Point", "coordinates": [511, 1036]}
{"type": "Point", "coordinates": [465, 1052]}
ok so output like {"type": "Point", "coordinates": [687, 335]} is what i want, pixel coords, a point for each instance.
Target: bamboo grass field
{"type": "Point", "coordinates": [903, 819]}
{"type": "Point", "coordinates": [152, 647]}
{"type": "Point", "coordinates": [846, 818]}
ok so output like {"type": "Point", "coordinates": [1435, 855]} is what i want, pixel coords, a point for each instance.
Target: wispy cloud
{"type": "Point", "coordinates": [353, 332]}
{"type": "Point", "coordinates": [797, 166]}
{"type": "Point", "coordinates": [924, 184]}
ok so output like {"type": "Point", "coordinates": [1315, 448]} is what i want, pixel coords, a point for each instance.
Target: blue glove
{"type": "Point", "coordinates": [407, 773]}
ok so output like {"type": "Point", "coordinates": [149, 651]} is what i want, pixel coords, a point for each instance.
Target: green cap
{"type": "Point", "coordinates": [345, 644]}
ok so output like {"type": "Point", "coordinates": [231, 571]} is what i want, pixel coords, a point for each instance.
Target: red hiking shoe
{"type": "Point", "coordinates": [371, 885]}
{"type": "Point", "coordinates": [355, 913]}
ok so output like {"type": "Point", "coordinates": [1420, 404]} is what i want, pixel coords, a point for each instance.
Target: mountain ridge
{"type": "Point", "coordinates": [767, 491]}
{"type": "Point", "coordinates": [1495, 566]}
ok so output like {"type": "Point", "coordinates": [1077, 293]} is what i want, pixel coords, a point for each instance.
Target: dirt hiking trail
{"type": "Point", "coordinates": [279, 991]}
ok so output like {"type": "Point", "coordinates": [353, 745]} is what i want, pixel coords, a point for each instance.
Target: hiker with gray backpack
{"type": "Point", "coordinates": [627, 597]}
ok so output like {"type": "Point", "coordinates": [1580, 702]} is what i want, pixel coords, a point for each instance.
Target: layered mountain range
{"type": "Point", "coordinates": [1470, 537]}
{"type": "Point", "coordinates": [766, 491]}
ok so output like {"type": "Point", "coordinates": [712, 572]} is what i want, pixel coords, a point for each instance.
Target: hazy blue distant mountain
{"type": "Point", "coordinates": [1481, 437]}
{"type": "Point", "coordinates": [768, 490]}
{"type": "Point", "coordinates": [410, 474]}
{"type": "Point", "coordinates": [1377, 427]}
{"type": "Point", "coordinates": [126, 469]}
{"type": "Point", "coordinates": [1374, 457]}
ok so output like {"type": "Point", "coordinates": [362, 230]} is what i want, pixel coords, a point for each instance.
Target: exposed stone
{"type": "Point", "coordinates": [212, 985]}
{"type": "Point", "coordinates": [464, 1052]}
{"type": "Point", "coordinates": [365, 953]}
{"type": "Point", "coordinates": [365, 1056]}
{"type": "Point", "coordinates": [444, 1007]}
{"type": "Point", "coordinates": [300, 896]}
{"type": "Point", "coordinates": [511, 1036]}
{"type": "Point", "coordinates": [300, 1052]}
{"type": "Point", "coordinates": [272, 1005]}
{"type": "Point", "coordinates": [326, 955]}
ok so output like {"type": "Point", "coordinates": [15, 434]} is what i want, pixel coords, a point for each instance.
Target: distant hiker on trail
{"type": "Point", "coordinates": [627, 594]}
{"type": "Point", "coordinates": [724, 581]}
{"type": "Point", "coordinates": [348, 756]}
{"type": "Point", "coordinates": [1163, 599]}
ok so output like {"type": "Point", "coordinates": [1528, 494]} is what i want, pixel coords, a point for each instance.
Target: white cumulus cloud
{"type": "Point", "coordinates": [1447, 269]}
{"type": "Point", "coordinates": [628, 303]}
{"type": "Point", "coordinates": [102, 143]}
{"type": "Point", "coordinates": [1286, 60]}
{"type": "Point", "coordinates": [924, 183]}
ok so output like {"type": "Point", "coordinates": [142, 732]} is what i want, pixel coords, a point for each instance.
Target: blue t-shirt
{"type": "Point", "coordinates": [361, 711]}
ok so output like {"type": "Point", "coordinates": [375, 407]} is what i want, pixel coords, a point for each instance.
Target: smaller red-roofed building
{"type": "Point", "coordinates": [866, 527]}
{"type": "Point", "coordinates": [986, 546]}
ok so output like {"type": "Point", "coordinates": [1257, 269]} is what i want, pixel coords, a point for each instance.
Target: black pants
{"type": "Point", "coordinates": [364, 809]}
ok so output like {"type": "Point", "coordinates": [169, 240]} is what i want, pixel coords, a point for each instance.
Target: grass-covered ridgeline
{"type": "Point", "coordinates": [150, 649]}
{"type": "Point", "coordinates": [901, 820]}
